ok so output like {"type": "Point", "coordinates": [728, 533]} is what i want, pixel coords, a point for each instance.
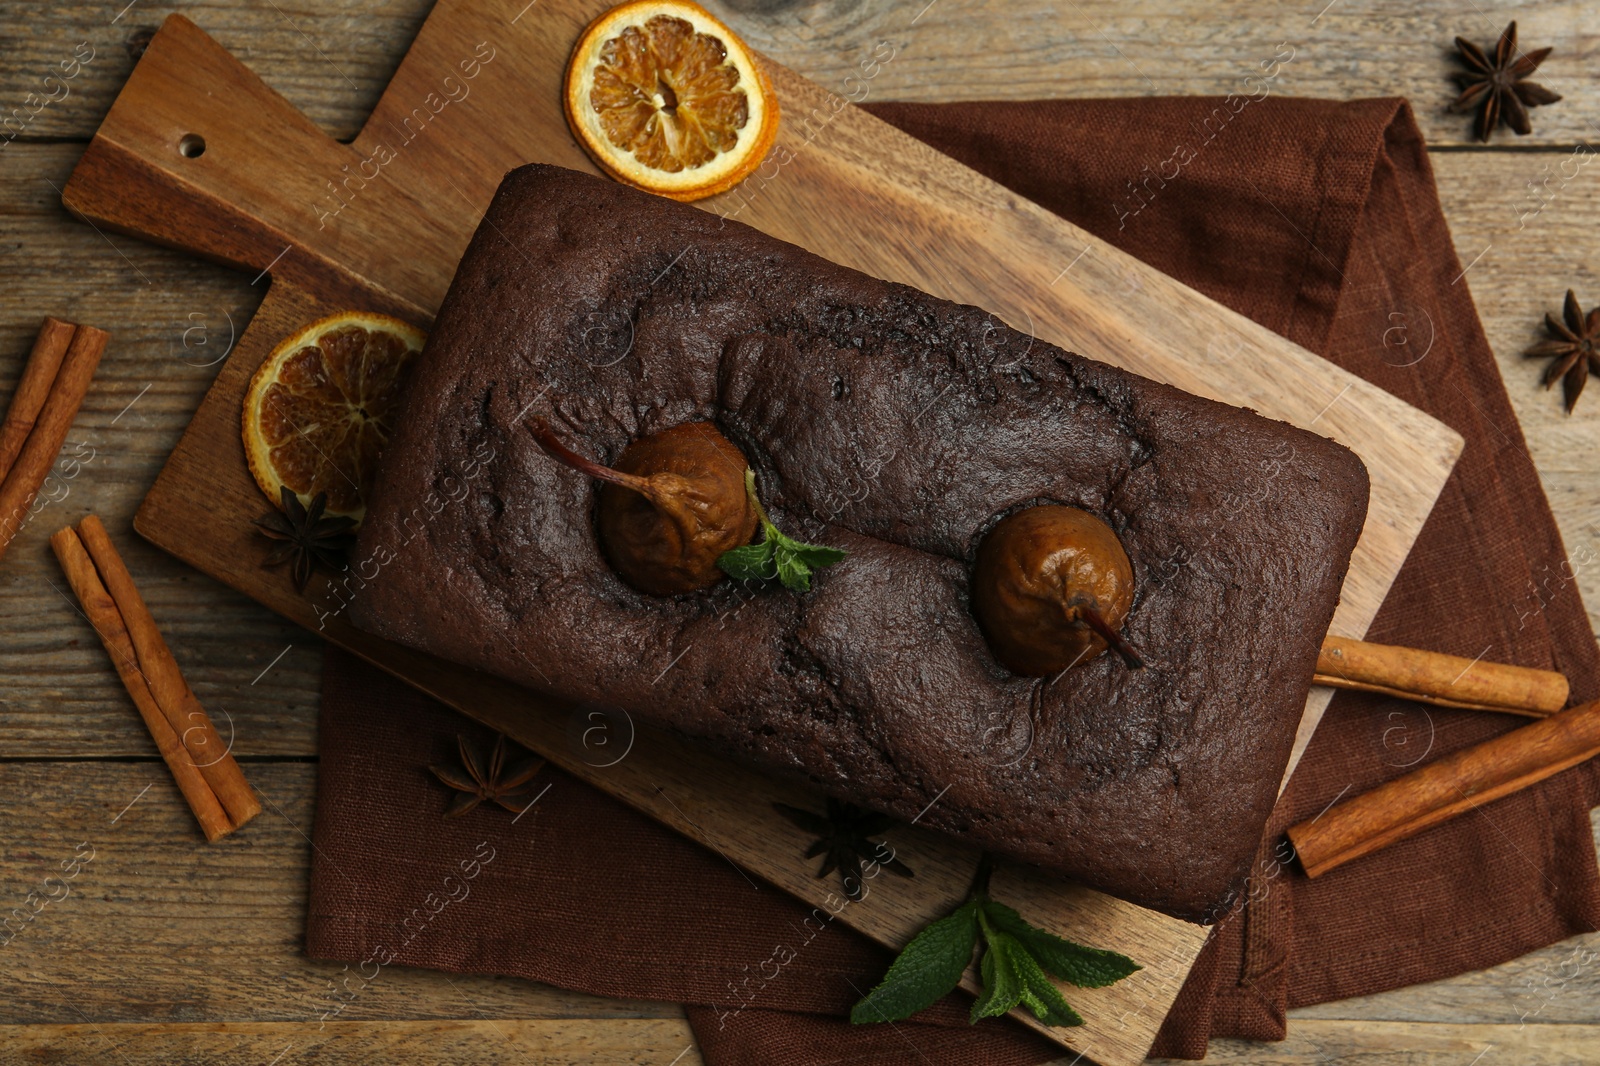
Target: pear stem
{"type": "Point", "coordinates": [1097, 622]}
{"type": "Point", "coordinates": [560, 452]}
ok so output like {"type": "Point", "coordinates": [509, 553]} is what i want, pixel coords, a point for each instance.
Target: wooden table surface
{"type": "Point", "coordinates": [170, 951]}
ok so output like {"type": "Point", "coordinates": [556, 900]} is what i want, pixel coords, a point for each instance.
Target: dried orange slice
{"type": "Point", "coordinates": [667, 99]}
{"type": "Point", "coordinates": [319, 410]}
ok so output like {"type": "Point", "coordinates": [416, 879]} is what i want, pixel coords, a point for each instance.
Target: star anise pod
{"type": "Point", "coordinates": [1495, 86]}
{"type": "Point", "coordinates": [481, 779]}
{"type": "Point", "coordinates": [1574, 351]}
{"type": "Point", "coordinates": [307, 538]}
{"type": "Point", "coordinates": [842, 840]}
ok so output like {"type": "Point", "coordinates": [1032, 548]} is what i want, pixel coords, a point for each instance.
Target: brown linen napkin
{"type": "Point", "coordinates": [1318, 220]}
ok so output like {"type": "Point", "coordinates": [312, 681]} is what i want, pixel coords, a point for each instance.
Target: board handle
{"type": "Point", "coordinates": [198, 153]}
{"type": "Point", "coordinates": [159, 161]}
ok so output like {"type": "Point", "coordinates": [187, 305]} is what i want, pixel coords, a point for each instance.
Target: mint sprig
{"type": "Point", "coordinates": [1017, 959]}
{"type": "Point", "coordinates": [775, 555]}
{"type": "Point", "coordinates": [930, 966]}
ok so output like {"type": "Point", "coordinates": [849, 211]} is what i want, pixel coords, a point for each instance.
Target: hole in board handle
{"type": "Point", "coordinates": [191, 146]}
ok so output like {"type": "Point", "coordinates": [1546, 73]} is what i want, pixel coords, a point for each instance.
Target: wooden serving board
{"type": "Point", "coordinates": [198, 153]}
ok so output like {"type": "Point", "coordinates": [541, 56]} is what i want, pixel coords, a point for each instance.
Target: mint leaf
{"type": "Point", "coordinates": [1074, 963]}
{"type": "Point", "coordinates": [1015, 966]}
{"type": "Point", "coordinates": [816, 555]}
{"type": "Point", "coordinates": [1030, 986]}
{"type": "Point", "coordinates": [929, 967]}
{"type": "Point", "coordinates": [753, 562]}
{"type": "Point", "coordinates": [776, 555]}
{"type": "Point", "coordinates": [1051, 1010]}
{"type": "Point", "coordinates": [1039, 992]}
{"type": "Point", "coordinates": [1002, 989]}
{"type": "Point", "coordinates": [796, 560]}
{"type": "Point", "coordinates": [795, 575]}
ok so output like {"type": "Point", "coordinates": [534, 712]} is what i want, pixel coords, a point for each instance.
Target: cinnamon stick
{"type": "Point", "coordinates": [188, 719]}
{"type": "Point", "coordinates": [1439, 679]}
{"type": "Point", "coordinates": [37, 377]}
{"type": "Point", "coordinates": [49, 430]}
{"type": "Point", "coordinates": [102, 614]}
{"type": "Point", "coordinates": [1442, 789]}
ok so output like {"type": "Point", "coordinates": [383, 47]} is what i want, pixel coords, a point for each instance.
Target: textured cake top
{"type": "Point", "coordinates": [900, 427]}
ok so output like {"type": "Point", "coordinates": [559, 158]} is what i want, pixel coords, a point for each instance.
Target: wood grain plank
{"type": "Point", "coordinates": [466, 1042]}
{"type": "Point", "coordinates": [1474, 187]}
{"type": "Point", "coordinates": [333, 60]}
{"type": "Point", "coordinates": [1009, 50]}
{"type": "Point", "coordinates": [134, 906]}
{"type": "Point", "coordinates": [158, 925]}
{"type": "Point", "coordinates": [1414, 1044]}
{"type": "Point", "coordinates": [1526, 246]}
{"type": "Point", "coordinates": [171, 319]}
{"type": "Point", "coordinates": [668, 1042]}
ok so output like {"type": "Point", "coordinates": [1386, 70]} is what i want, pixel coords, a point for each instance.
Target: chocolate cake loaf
{"type": "Point", "coordinates": [899, 427]}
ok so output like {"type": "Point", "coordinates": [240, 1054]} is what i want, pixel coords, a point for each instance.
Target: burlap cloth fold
{"type": "Point", "coordinates": [1320, 221]}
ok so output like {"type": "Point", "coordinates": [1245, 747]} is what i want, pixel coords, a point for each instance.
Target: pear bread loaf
{"type": "Point", "coordinates": [900, 428]}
